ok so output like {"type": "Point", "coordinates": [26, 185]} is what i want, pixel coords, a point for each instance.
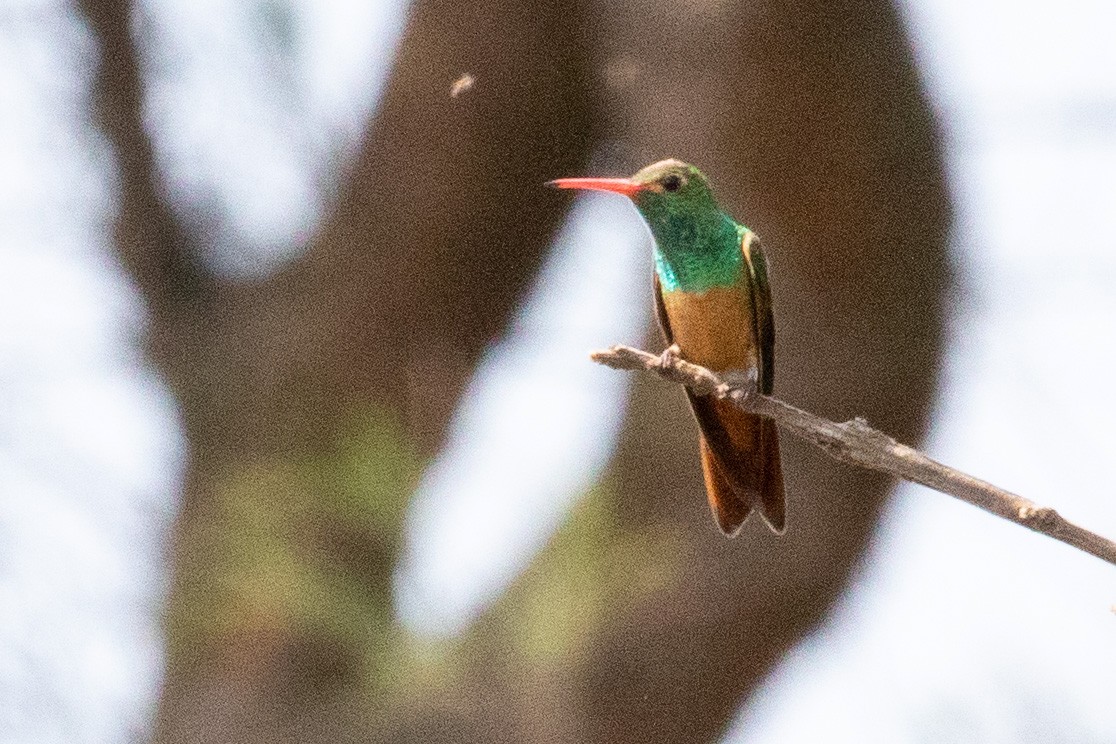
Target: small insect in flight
{"type": "Point", "coordinates": [462, 85]}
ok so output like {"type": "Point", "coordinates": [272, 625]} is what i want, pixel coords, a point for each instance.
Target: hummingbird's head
{"type": "Point", "coordinates": [696, 244]}
{"type": "Point", "coordinates": [666, 190]}
{"type": "Point", "coordinates": [672, 179]}
{"type": "Point", "coordinates": [671, 190]}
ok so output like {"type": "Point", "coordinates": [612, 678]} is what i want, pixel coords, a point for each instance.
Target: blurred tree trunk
{"type": "Point", "coordinates": [311, 399]}
{"type": "Point", "coordinates": [810, 119]}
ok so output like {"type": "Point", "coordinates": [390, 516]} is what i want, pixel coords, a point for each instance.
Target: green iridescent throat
{"type": "Point", "coordinates": [695, 251]}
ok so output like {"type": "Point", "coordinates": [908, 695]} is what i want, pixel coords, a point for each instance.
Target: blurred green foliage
{"type": "Point", "coordinates": [303, 545]}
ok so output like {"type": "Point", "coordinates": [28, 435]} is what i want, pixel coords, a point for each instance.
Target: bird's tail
{"type": "Point", "coordinates": [741, 463]}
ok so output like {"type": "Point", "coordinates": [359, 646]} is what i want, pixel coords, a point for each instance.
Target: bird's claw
{"type": "Point", "coordinates": [745, 383]}
{"type": "Point", "coordinates": [670, 356]}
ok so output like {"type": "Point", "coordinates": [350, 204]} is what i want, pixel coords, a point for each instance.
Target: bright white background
{"type": "Point", "coordinates": [951, 607]}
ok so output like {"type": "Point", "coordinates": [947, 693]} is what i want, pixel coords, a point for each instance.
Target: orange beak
{"type": "Point", "coordinates": [625, 186]}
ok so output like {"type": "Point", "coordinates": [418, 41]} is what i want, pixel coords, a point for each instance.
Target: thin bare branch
{"type": "Point", "coordinates": [859, 444]}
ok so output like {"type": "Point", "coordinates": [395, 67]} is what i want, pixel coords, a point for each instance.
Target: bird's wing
{"type": "Point", "coordinates": [762, 315]}
{"type": "Point", "coordinates": [772, 492]}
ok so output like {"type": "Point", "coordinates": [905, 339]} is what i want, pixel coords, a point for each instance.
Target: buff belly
{"type": "Point", "coordinates": [713, 328]}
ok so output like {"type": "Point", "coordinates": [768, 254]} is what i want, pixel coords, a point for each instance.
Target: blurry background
{"type": "Point", "coordinates": [298, 436]}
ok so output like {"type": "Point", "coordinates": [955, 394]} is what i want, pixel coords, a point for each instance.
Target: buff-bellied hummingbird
{"type": "Point", "coordinates": [713, 302]}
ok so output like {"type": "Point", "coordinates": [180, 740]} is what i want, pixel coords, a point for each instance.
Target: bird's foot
{"type": "Point", "coordinates": [670, 356]}
{"type": "Point", "coordinates": [744, 382]}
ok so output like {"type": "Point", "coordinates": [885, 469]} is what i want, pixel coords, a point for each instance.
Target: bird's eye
{"type": "Point", "coordinates": [672, 182]}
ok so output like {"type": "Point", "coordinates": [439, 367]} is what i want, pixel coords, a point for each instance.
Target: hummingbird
{"type": "Point", "coordinates": [713, 304]}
